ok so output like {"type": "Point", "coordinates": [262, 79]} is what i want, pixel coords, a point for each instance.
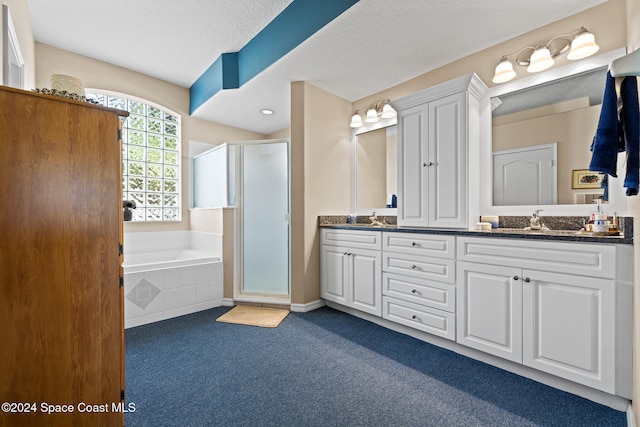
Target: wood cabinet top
{"type": "Point", "coordinates": [120, 113]}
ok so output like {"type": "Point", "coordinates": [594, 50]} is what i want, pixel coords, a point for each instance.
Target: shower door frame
{"type": "Point", "coordinates": [239, 293]}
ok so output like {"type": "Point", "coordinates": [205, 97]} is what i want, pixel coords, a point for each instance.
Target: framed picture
{"type": "Point", "coordinates": [584, 178]}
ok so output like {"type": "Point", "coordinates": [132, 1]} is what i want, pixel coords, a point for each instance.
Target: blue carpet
{"type": "Point", "coordinates": [327, 368]}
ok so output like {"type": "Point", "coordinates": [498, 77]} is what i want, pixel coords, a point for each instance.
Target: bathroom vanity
{"type": "Point", "coordinates": [556, 303]}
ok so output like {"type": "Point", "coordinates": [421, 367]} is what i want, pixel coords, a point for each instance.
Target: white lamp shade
{"type": "Point", "coordinates": [356, 121]}
{"type": "Point", "coordinates": [583, 45]}
{"type": "Point", "coordinates": [388, 112]}
{"type": "Point", "coordinates": [372, 116]}
{"type": "Point", "coordinates": [540, 60]}
{"type": "Point", "coordinates": [504, 72]}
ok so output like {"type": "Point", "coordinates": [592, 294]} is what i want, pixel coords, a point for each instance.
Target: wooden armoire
{"type": "Point", "coordinates": [61, 300]}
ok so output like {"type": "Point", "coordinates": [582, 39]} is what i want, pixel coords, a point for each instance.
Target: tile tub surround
{"type": "Point", "coordinates": [561, 228]}
{"type": "Point", "coordinates": [162, 290]}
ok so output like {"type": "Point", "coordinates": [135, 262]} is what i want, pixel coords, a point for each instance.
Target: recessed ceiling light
{"type": "Point", "coordinates": [266, 111]}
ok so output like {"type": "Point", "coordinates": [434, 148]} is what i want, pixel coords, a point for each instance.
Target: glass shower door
{"type": "Point", "coordinates": [265, 218]}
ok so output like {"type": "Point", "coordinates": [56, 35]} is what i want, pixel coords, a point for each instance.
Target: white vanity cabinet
{"type": "Point", "coordinates": [438, 131]}
{"type": "Point", "coordinates": [557, 307]}
{"type": "Point", "coordinates": [350, 269]}
{"type": "Point", "coordinates": [418, 282]}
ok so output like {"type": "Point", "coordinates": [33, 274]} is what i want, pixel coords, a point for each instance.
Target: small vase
{"type": "Point", "coordinates": [66, 83]}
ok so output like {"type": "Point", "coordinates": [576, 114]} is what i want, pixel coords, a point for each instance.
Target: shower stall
{"type": "Point", "coordinates": [253, 177]}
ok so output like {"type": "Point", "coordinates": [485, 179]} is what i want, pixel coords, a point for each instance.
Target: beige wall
{"type": "Point", "coordinates": [320, 174]}
{"type": "Point", "coordinates": [19, 11]}
{"type": "Point", "coordinates": [633, 43]}
{"type": "Point", "coordinates": [101, 75]}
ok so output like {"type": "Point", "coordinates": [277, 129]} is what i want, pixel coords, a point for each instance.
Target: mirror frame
{"type": "Point", "coordinates": [617, 198]}
{"type": "Point", "coordinates": [367, 127]}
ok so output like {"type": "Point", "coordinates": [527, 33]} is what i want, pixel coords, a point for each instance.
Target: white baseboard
{"type": "Point", "coordinates": [228, 302]}
{"type": "Point", "coordinates": [310, 306]}
{"type": "Point", "coordinates": [631, 421]}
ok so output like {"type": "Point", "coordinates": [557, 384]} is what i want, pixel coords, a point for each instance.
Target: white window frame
{"type": "Point", "coordinates": [178, 178]}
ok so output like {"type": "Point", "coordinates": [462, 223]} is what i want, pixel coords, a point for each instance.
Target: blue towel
{"type": "Point", "coordinates": [630, 121]}
{"type": "Point", "coordinates": [616, 134]}
{"type": "Point", "coordinates": [608, 139]}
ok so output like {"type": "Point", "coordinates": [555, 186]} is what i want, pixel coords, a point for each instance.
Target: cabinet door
{"type": "Point", "coordinates": [447, 162]}
{"type": "Point", "coordinates": [61, 310]}
{"type": "Point", "coordinates": [569, 327]}
{"type": "Point", "coordinates": [366, 280]}
{"type": "Point", "coordinates": [334, 273]}
{"type": "Point", "coordinates": [489, 309]}
{"type": "Point", "coordinates": [412, 137]}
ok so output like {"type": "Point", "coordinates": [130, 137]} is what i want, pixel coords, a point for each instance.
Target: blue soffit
{"type": "Point", "coordinates": [296, 23]}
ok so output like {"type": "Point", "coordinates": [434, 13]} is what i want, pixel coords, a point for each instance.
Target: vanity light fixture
{"type": "Point", "coordinates": [542, 56]}
{"type": "Point", "coordinates": [377, 110]}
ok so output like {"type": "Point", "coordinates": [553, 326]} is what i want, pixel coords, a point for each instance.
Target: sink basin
{"type": "Point", "coordinates": [368, 225]}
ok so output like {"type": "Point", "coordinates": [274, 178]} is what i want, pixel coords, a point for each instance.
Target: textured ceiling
{"type": "Point", "coordinates": [374, 45]}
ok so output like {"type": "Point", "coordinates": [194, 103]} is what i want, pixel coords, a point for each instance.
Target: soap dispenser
{"type": "Point", "coordinates": [601, 223]}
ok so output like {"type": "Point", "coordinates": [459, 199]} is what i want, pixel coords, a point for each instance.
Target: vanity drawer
{"type": "Point", "coordinates": [352, 239]}
{"type": "Point", "coordinates": [420, 244]}
{"type": "Point", "coordinates": [582, 259]}
{"type": "Point", "coordinates": [420, 291]}
{"type": "Point", "coordinates": [426, 319]}
{"type": "Point", "coordinates": [439, 269]}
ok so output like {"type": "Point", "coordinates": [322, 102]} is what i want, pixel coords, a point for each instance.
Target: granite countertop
{"type": "Point", "coordinates": [511, 233]}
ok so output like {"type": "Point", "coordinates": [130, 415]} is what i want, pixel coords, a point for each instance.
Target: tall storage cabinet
{"type": "Point", "coordinates": [439, 129]}
{"type": "Point", "coordinates": [60, 260]}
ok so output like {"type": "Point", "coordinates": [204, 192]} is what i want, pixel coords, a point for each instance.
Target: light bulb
{"type": "Point", "coordinates": [504, 72]}
{"type": "Point", "coordinates": [583, 45]}
{"type": "Point", "coordinates": [356, 121]}
{"type": "Point", "coordinates": [540, 60]}
{"type": "Point", "coordinates": [372, 116]}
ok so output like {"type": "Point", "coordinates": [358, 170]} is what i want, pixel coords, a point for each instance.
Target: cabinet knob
{"type": "Point", "coordinates": [413, 267]}
{"type": "Point", "coordinates": [414, 317]}
{"type": "Point", "coordinates": [413, 291]}
{"type": "Point", "coordinates": [526, 279]}
{"type": "Point", "coordinates": [516, 278]}
{"type": "Point", "coordinates": [414, 244]}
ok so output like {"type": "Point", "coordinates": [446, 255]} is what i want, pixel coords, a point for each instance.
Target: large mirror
{"type": "Point", "coordinates": [374, 168]}
{"type": "Point", "coordinates": [541, 138]}
{"type": "Point", "coordinates": [542, 128]}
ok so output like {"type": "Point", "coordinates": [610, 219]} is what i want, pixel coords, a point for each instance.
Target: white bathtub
{"type": "Point", "coordinates": [169, 274]}
{"type": "Point", "coordinates": [153, 260]}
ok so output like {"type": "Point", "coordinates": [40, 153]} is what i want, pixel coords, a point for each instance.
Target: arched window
{"type": "Point", "coordinates": [150, 156]}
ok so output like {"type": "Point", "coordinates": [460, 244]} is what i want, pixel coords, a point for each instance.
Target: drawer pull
{"type": "Point", "coordinates": [516, 278]}
{"type": "Point", "coordinates": [414, 317]}
{"type": "Point", "coordinates": [413, 291]}
{"type": "Point", "coordinates": [526, 279]}
{"type": "Point", "coordinates": [428, 164]}
{"type": "Point", "coordinates": [413, 267]}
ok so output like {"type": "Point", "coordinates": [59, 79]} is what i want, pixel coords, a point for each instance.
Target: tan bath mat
{"type": "Point", "coordinates": [254, 316]}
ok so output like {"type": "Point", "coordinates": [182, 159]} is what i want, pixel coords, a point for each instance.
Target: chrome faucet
{"type": "Point", "coordinates": [535, 223]}
{"type": "Point", "coordinates": [374, 219]}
